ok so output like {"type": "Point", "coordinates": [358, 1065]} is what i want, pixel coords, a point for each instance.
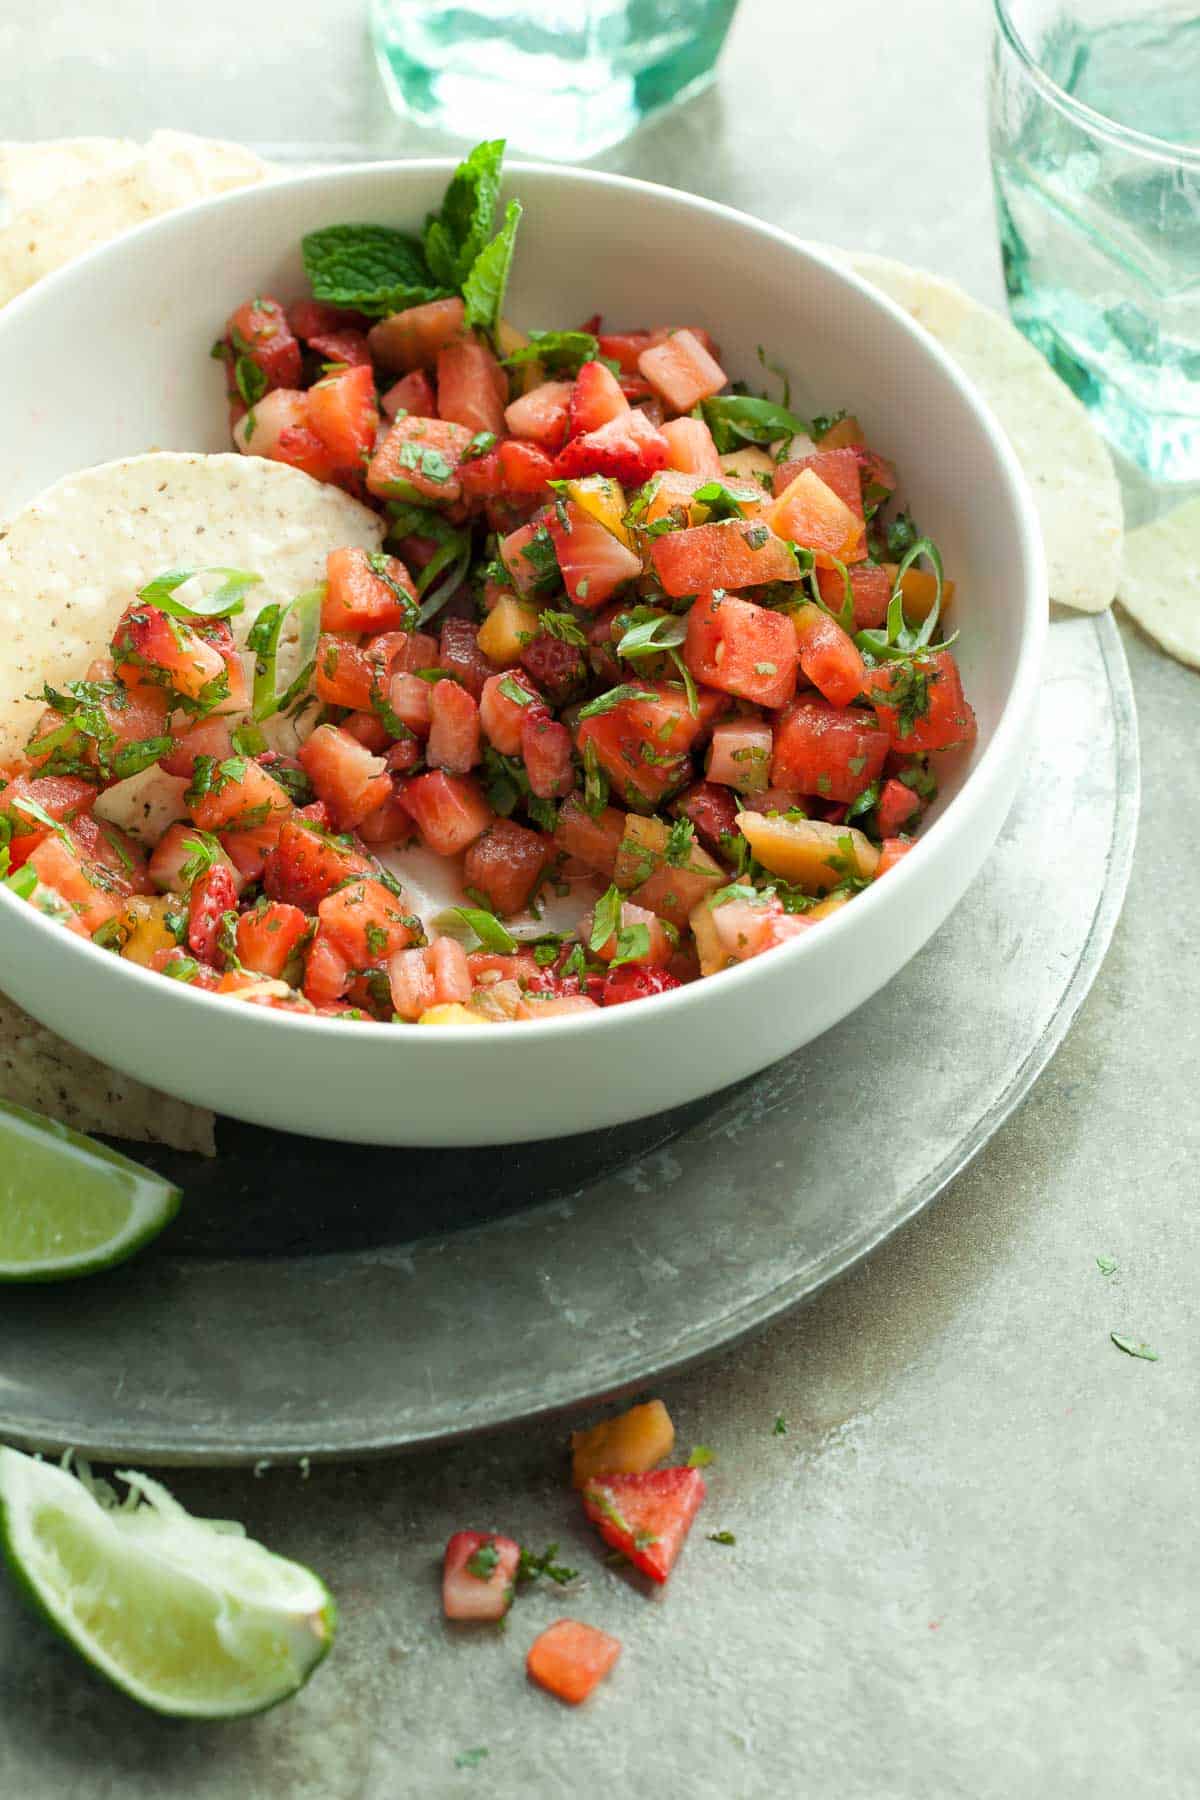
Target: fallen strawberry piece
{"type": "Point", "coordinates": [646, 1517]}
{"type": "Point", "coordinates": [478, 1575]}
{"type": "Point", "coordinates": [570, 1658]}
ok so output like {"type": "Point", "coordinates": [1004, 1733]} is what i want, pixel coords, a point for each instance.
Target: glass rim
{"type": "Point", "coordinates": [1162, 149]}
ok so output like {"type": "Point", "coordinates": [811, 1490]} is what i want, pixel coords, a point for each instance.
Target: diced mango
{"type": "Point", "coordinates": [919, 590]}
{"type": "Point", "coordinates": [603, 499]}
{"type": "Point", "coordinates": [808, 852]}
{"type": "Point", "coordinates": [824, 909]}
{"type": "Point", "coordinates": [143, 928]}
{"type": "Point", "coordinates": [709, 948]}
{"type": "Point", "coordinates": [810, 513]}
{"type": "Point", "coordinates": [506, 630]}
{"type": "Point", "coordinates": [627, 1445]}
{"type": "Point", "coordinates": [451, 1012]}
{"type": "Point", "coordinates": [845, 435]}
{"type": "Point", "coordinates": [526, 376]}
{"type": "Point", "coordinates": [748, 465]}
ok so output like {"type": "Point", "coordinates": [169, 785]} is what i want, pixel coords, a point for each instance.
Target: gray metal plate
{"type": "Point", "coordinates": [323, 1300]}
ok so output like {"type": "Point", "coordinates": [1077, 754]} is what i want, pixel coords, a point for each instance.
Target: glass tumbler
{"type": "Point", "coordinates": [1095, 139]}
{"type": "Point", "coordinates": [563, 78]}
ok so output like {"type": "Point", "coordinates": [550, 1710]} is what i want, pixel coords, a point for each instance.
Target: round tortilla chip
{"type": "Point", "coordinates": [74, 558]}
{"type": "Point", "coordinates": [1064, 457]}
{"type": "Point", "coordinates": [1160, 581]}
{"type": "Point", "coordinates": [67, 196]}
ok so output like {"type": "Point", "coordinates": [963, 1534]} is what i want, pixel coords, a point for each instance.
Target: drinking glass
{"type": "Point", "coordinates": [564, 78]}
{"type": "Point", "coordinates": [1095, 137]}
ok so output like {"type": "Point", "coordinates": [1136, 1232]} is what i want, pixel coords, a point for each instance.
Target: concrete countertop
{"type": "Point", "coordinates": [964, 1570]}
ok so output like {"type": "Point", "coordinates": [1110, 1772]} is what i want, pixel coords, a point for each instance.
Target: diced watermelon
{"type": "Point", "coordinates": [436, 975]}
{"type": "Point", "coordinates": [833, 751]}
{"type": "Point", "coordinates": [594, 839]}
{"type": "Point", "coordinates": [258, 329]}
{"type": "Point", "coordinates": [450, 810]}
{"type": "Point", "coordinates": [546, 751]}
{"type": "Point", "coordinates": [740, 755]}
{"type": "Point", "coordinates": [411, 339]}
{"type": "Point", "coordinates": [180, 846]}
{"type": "Point", "coordinates": [326, 971]}
{"type": "Point", "coordinates": [413, 393]}
{"type": "Point", "coordinates": [525, 470]}
{"type": "Point", "coordinates": [642, 744]}
{"type": "Point", "coordinates": [808, 512]}
{"type": "Point", "coordinates": [152, 647]}
{"type": "Point", "coordinates": [459, 652]}
{"type": "Point", "coordinates": [870, 591]}
{"type": "Point", "coordinates": [500, 715]}
{"type": "Point", "coordinates": [690, 448]}
{"type": "Point", "coordinates": [732, 553]}
{"type": "Point", "coordinates": [505, 865]}
{"type": "Point", "coordinates": [471, 386]}
{"type": "Point", "coordinates": [60, 797]}
{"type": "Point", "coordinates": [351, 782]}
{"type": "Point", "coordinates": [892, 851]}
{"type": "Point", "coordinates": [742, 649]}
{"type": "Point", "coordinates": [829, 656]}
{"type": "Point", "coordinates": [279, 427]}
{"type": "Point", "coordinates": [646, 1517]}
{"type": "Point", "coordinates": [234, 795]}
{"type": "Point", "coordinates": [418, 460]}
{"type": "Point", "coordinates": [364, 593]}
{"type": "Point", "coordinates": [593, 562]}
{"type": "Point", "coordinates": [268, 935]}
{"type": "Point", "coordinates": [343, 413]}
{"type": "Point", "coordinates": [682, 371]}
{"type": "Point", "coordinates": [86, 887]}
{"type": "Point", "coordinates": [896, 809]}
{"type": "Point", "coordinates": [366, 922]}
{"type": "Point", "coordinates": [453, 729]}
{"type": "Point", "coordinates": [920, 704]}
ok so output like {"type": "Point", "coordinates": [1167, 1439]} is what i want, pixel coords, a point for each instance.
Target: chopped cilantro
{"type": "Point", "coordinates": [470, 1759]}
{"type": "Point", "coordinates": [617, 696]}
{"type": "Point", "coordinates": [482, 1562]}
{"type": "Point", "coordinates": [701, 1457]}
{"type": "Point", "coordinates": [779, 1429]}
{"type": "Point", "coordinates": [531, 1567]}
{"type": "Point", "coordinates": [606, 919]}
{"type": "Point", "coordinates": [1107, 1265]}
{"type": "Point", "coordinates": [562, 626]}
{"type": "Point", "coordinates": [1132, 1348]}
{"type": "Point", "coordinates": [721, 1537]}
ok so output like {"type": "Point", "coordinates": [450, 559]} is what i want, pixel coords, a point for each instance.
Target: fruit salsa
{"type": "Point", "coordinates": [638, 639]}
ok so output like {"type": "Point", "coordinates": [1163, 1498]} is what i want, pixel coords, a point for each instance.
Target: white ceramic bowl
{"type": "Point", "coordinates": [110, 357]}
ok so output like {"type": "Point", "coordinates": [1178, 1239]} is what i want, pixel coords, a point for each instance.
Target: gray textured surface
{"type": "Point", "coordinates": [967, 1570]}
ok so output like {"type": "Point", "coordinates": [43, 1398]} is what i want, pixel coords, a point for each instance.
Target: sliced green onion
{"type": "Point", "coordinates": [225, 600]}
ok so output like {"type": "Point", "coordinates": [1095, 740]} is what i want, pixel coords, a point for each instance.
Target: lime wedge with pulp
{"type": "Point", "coordinates": [187, 1615]}
{"type": "Point", "coordinates": [69, 1206]}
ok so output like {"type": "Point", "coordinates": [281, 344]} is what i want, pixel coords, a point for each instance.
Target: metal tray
{"type": "Point", "coordinates": [322, 1300]}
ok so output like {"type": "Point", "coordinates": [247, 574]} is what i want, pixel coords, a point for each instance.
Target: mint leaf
{"type": "Point", "coordinates": [559, 352]}
{"type": "Point", "coordinates": [484, 288]}
{"type": "Point", "coordinates": [371, 268]}
{"type": "Point", "coordinates": [454, 237]}
{"type": "Point", "coordinates": [737, 419]}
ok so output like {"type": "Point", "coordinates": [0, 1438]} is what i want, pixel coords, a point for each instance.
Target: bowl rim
{"type": "Point", "coordinates": [987, 770]}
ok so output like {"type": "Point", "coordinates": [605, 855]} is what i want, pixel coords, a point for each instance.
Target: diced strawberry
{"type": "Point", "coordinates": [713, 811]}
{"type": "Point", "coordinates": [870, 591]}
{"type": "Point", "coordinates": [346, 673]}
{"type": "Point", "coordinates": [459, 652]}
{"type": "Point", "coordinates": [306, 864]}
{"type": "Point", "coordinates": [557, 667]}
{"type": "Point", "coordinates": [411, 339]}
{"type": "Point", "coordinates": [179, 846]}
{"type": "Point", "coordinates": [450, 810]}
{"type": "Point", "coordinates": [646, 1517]}
{"type": "Point", "coordinates": [419, 459]}
{"type": "Point", "coordinates": [400, 650]}
{"type": "Point", "coordinates": [642, 744]}
{"type": "Point", "coordinates": [542, 414]}
{"type": "Point", "coordinates": [690, 448]}
{"type": "Point", "coordinates": [833, 751]}
{"type": "Point", "coordinates": [479, 1575]}
{"type": "Point", "coordinates": [501, 716]}
{"type": "Point", "coordinates": [453, 729]}
{"type": "Point", "coordinates": [632, 981]}
{"type": "Point", "coordinates": [742, 649]}
{"type": "Point", "coordinates": [411, 699]}
{"type": "Point", "coordinates": [346, 349]}
{"type": "Point", "coordinates": [268, 935]}
{"type": "Point", "coordinates": [211, 737]}
{"type": "Point", "coordinates": [682, 371]}
{"type": "Point", "coordinates": [350, 781]}
{"type": "Point", "coordinates": [213, 894]}
{"type": "Point", "coordinates": [505, 865]}
{"type": "Point", "coordinates": [523, 553]}
{"type": "Point", "coordinates": [568, 1659]}
{"type": "Point", "coordinates": [480, 477]}
{"type": "Point", "coordinates": [343, 413]}
{"type": "Point", "coordinates": [896, 808]}
{"type": "Point", "coordinates": [60, 797]}
{"type": "Point", "coordinates": [920, 704]}
{"type": "Point", "coordinates": [248, 850]}
{"type": "Point", "coordinates": [155, 648]}
{"type": "Point", "coordinates": [593, 562]}
{"type": "Point", "coordinates": [471, 386]}
{"type": "Point", "coordinates": [596, 398]}
{"type": "Point", "coordinates": [368, 730]}
{"type": "Point", "coordinates": [366, 922]}
{"type": "Point", "coordinates": [829, 657]}
{"type": "Point", "coordinates": [279, 428]}
{"type": "Point", "coordinates": [547, 753]}
{"type": "Point", "coordinates": [130, 714]}
{"type": "Point", "coordinates": [732, 553]}
{"type": "Point", "coordinates": [258, 329]}
{"type": "Point", "coordinates": [326, 971]}
{"type": "Point", "coordinates": [628, 448]}
{"type": "Point", "coordinates": [115, 852]}
{"type": "Point", "coordinates": [413, 393]}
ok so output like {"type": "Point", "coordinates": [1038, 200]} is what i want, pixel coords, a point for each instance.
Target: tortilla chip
{"type": "Point", "coordinates": [1160, 581]}
{"type": "Point", "coordinates": [67, 196]}
{"type": "Point", "coordinates": [1064, 457]}
{"type": "Point", "coordinates": [73, 559]}
{"type": "Point", "coordinates": [41, 1072]}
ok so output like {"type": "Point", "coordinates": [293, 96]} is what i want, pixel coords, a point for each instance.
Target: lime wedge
{"type": "Point", "coordinates": [187, 1615]}
{"type": "Point", "coordinates": [70, 1206]}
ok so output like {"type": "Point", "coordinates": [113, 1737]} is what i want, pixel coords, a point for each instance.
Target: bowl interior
{"type": "Point", "coordinates": [111, 358]}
